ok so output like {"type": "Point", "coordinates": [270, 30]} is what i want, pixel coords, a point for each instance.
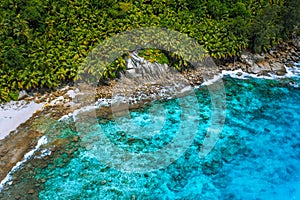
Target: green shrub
{"type": "Point", "coordinates": [43, 43]}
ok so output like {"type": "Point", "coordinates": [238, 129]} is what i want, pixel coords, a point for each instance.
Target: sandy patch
{"type": "Point", "coordinates": [14, 113]}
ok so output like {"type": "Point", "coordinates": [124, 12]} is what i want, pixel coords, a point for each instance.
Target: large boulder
{"type": "Point", "coordinates": [22, 95]}
{"type": "Point", "coordinates": [296, 42]}
{"type": "Point", "coordinates": [278, 68]}
{"type": "Point", "coordinates": [259, 58]}
{"type": "Point", "coordinates": [265, 66]}
{"type": "Point", "coordinates": [261, 68]}
{"type": "Point", "coordinates": [248, 58]}
{"type": "Point", "coordinates": [254, 69]}
{"type": "Point", "coordinates": [141, 70]}
{"type": "Point", "coordinates": [256, 63]}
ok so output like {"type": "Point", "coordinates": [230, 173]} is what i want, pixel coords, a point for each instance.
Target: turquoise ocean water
{"type": "Point", "coordinates": [257, 155]}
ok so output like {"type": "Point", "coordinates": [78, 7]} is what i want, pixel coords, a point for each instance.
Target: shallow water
{"type": "Point", "coordinates": [257, 156]}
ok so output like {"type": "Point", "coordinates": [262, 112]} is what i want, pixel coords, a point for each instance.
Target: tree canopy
{"type": "Point", "coordinates": [43, 42]}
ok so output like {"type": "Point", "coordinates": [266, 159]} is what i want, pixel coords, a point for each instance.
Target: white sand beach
{"type": "Point", "coordinates": [15, 113]}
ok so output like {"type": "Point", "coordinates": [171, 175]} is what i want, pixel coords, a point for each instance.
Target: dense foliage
{"type": "Point", "coordinates": [43, 42]}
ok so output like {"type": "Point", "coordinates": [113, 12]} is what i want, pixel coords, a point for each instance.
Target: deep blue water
{"type": "Point", "coordinates": [257, 156]}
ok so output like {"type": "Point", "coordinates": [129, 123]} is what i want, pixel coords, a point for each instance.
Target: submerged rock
{"type": "Point", "coordinates": [213, 163]}
{"type": "Point", "coordinates": [31, 191]}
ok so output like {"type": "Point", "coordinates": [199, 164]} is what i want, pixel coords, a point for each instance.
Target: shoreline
{"type": "Point", "coordinates": [13, 114]}
{"type": "Point", "coordinates": [25, 137]}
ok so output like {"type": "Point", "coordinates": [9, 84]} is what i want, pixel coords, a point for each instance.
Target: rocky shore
{"type": "Point", "coordinates": [64, 101]}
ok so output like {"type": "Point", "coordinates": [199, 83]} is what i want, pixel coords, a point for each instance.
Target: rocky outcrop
{"type": "Point", "coordinates": [59, 103]}
{"type": "Point", "coordinates": [278, 68]}
{"type": "Point", "coordinates": [296, 42]}
{"type": "Point", "coordinates": [272, 62]}
{"type": "Point", "coordinates": [142, 70]}
{"type": "Point", "coordinates": [22, 95]}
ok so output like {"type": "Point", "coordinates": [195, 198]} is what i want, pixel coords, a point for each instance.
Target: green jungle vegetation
{"type": "Point", "coordinates": [43, 42]}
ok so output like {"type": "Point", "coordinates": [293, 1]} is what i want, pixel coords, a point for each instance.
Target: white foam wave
{"type": "Point", "coordinates": [7, 179]}
{"type": "Point", "coordinates": [164, 92]}
{"type": "Point", "coordinates": [293, 71]}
